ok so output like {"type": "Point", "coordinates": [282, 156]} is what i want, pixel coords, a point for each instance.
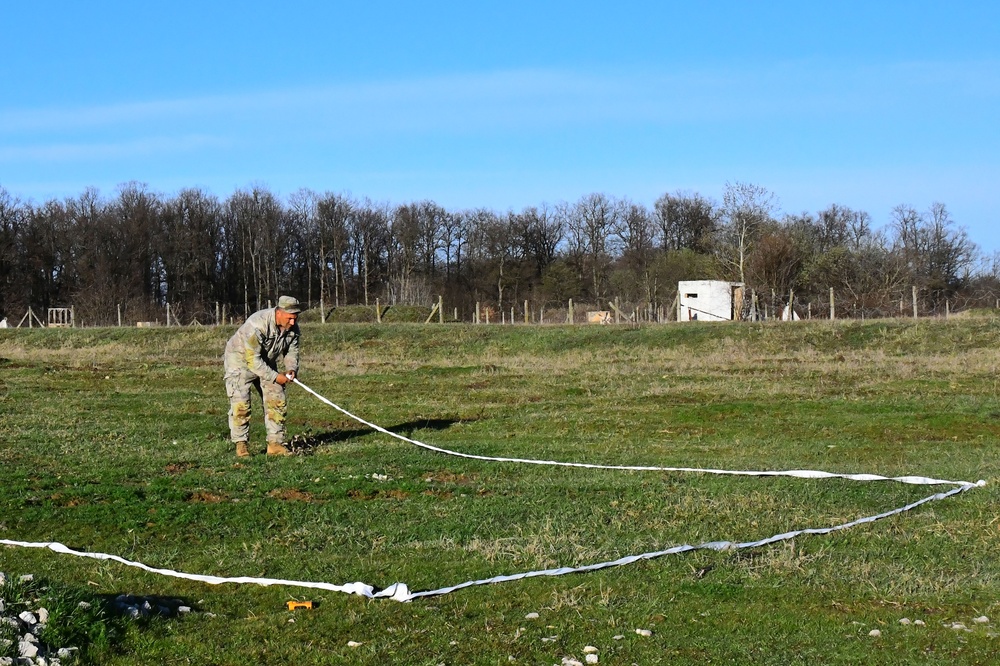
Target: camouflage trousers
{"type": "Point", "coordinates": [238, 385]}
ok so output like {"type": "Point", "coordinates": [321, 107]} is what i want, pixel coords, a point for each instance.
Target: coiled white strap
{"type": "Point", "coordinates": [401, 592]}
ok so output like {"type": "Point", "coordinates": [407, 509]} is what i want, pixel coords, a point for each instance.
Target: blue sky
{"type": "Point", "coordinates": [511, 104]}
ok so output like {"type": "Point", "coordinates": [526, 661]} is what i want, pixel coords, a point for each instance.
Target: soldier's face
{"type": "Point", "coordinates": [285, 320]}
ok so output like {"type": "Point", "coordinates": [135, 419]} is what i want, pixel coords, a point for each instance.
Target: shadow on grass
{"type": "Point", "coordinates": [308, 443]}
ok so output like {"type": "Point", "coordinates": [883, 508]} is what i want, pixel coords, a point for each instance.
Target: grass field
{"type": "Point", "coordinates": [115, 441]}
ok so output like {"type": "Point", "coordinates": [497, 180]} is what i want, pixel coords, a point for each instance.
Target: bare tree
{"type": "Point", "coordinates": [834, 227]}
{"type": "Point", "coordinates": [937, 254]}
{"type": "Point", "coordinates": [590, 223]}
{"type": "Point", "coordinates": [859, 230]}
{"type": "Point", "coordinates": [777, 258]}
{"type": "Point", "coordinates": [452, 239]}
{"type": "Point", "coordinates": [12, 222]}
{"type": "Point", "coordinates": [745, 209]}
{"type": "Point", "coordinates": [333, 215]}
{"type": "Point", "coordinates": [303, 214]}
{"type": "Point", "coordinates": [686, 220]}
{"type": "Point", "coordinates": [189, 247]}
{"type": "Point", "coordinates": [490, 251]}
{"type": "Point", "coordinates": [258, 220]}
{"type": "Point", "coordinates": [369, 231]}
{"type": "Point", "coordinates": [950, 251]}
{"type": "Point", "coordinates": [636, 232]}
{"type": "Point", "coordinates": [540, 233]}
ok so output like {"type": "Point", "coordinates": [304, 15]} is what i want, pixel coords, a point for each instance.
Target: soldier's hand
{"type": "Point", "coordinates": [291, 374]}
{"type": "Point", "coordinates": [282, 379]}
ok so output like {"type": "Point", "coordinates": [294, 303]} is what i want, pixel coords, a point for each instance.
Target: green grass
{"type": "Point", "coordinates": [115, 440]}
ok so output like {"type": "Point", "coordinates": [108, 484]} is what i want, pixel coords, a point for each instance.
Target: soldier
{"type": "Point", "coordinates": [251, 359]}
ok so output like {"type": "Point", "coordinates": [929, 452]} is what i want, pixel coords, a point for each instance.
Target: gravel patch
{"type": "Point", "coordinates": [20, 631]}
{"type": "Point", "coordinates": [24, 619]}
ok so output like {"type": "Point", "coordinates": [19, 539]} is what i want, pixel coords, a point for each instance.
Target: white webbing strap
{"type": "Point", "coordinates": [798, 473]}
{"type": "Point", "coordinates": [351, 588]}
{"type": "Point", "coordinates": [400, 591]}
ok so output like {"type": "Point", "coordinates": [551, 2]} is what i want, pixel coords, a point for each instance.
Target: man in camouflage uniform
{"type": "Point", "coordinates": [251, 360]}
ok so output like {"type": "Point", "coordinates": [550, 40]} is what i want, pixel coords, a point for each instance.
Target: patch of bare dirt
{"type": "Point", "coordinates": [292, 495]}
{"type": "Point", "coordinates": [395, 493]}
{"type": "Point", "coordinates": [445, 476]}
{"type": "Point", "coordinates": [206, 497]}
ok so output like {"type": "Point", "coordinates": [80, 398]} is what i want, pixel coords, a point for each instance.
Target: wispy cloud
{"type": "Point", "coordinates": [63, 152]}
{"type": "Point", "coordinates": [533, 99]}
{"type": "Point", "coordinates": [693, 113]}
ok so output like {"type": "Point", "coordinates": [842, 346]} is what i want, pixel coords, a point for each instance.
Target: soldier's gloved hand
{"type": "Point", "coordinates": [291, 374]}
{"type": "Point", "coordinates": [282, 379]}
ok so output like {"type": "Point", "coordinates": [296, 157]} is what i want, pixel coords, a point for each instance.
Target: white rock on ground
{"type": "Point", "coordinates": [644, 632]}
{"type": "Point", "coordinates": [982, 619]}
{"type": "Point", "coordinates": [874, 633]}
{"type": "Point", "coordinates": [27, 649]}
{"type": "Point", "coordinates": [28, 624]}
{"type": "Point", "coordinates": [592, 658]}
{"type": "Point", "coordinates": [26, 627]}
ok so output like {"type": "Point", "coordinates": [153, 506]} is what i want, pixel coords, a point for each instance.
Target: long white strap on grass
{"type": "Point", "coordinates": [798, 473]}
{"type": "Point", "coordinates": [401, 592]}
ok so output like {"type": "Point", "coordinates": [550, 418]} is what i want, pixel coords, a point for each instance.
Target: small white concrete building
{"type": "Point", "coordinates": [709, 300]}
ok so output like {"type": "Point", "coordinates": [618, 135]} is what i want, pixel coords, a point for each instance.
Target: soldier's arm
{"type": "Point", "coordinates": [292, 357]}
{"type": "Point", "coordinates": [255, 363]}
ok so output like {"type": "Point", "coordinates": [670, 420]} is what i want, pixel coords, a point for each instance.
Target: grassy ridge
{"type": "Point", "coordinates": [114, 440]}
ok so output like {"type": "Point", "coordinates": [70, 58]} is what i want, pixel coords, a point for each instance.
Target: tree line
{"type": "Point", "coordinates": [138, 250]}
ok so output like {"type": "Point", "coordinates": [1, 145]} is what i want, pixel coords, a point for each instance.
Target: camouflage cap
{"type": "Point", "coordinates": [289, 304]}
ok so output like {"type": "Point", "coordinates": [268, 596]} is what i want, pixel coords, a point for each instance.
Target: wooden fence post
{"type": "Point", "coordinates": [378, 311]}
{"type": "Point", "coordinates": [914, 301]}
{"type": "Point", "coordinates": [833, 313]}
{"type": "Point", "coordinates": [526, 312]}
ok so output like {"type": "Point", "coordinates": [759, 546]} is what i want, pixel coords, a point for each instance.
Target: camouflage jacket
{"type": "Point", "coordinates": [259, 343]}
